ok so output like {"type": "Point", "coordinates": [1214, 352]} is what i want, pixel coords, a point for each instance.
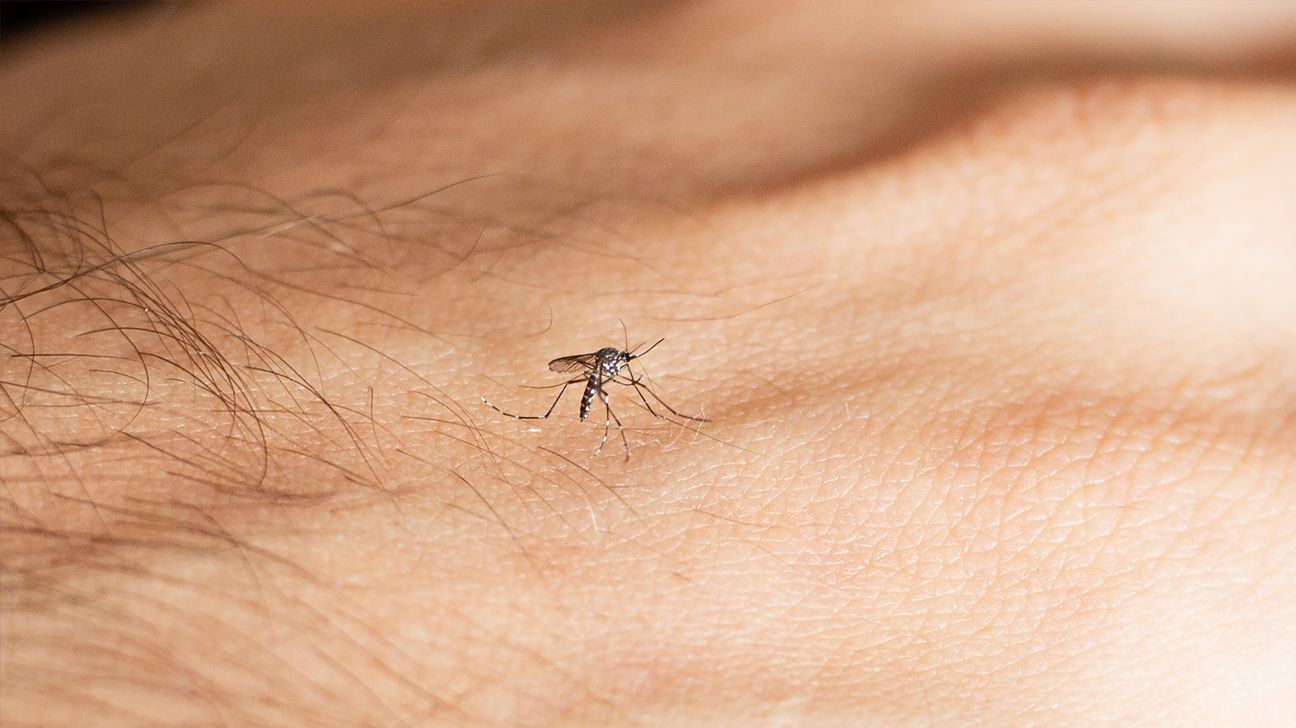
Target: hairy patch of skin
{"type": "Point", "coordinates": [999, 364]}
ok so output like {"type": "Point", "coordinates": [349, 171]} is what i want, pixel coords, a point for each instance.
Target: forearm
{"type": "Point", "coordinates": [1000, 423]}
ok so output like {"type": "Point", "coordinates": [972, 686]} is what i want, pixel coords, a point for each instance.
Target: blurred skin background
{"type": "Point", "coordinates": [990, 308]}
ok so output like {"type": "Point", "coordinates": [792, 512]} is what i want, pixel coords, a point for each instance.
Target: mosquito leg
{"type": "Point", "coordinates": [550, 386]}
{"type": "Point", "coordinates": [634, 382]}
{"type": "Point", "coordinates": [640, 387]}
{"type": "Point", "coordinates": [669, 408]}
{"type": "Point", "coordinates": [607, 422]}
{"type": "Point", "coordinates": [625, 444]}
{"type": "Point", "coordinates": [544, 416]}
{"type": "Point", "coordinates": [611, 417]}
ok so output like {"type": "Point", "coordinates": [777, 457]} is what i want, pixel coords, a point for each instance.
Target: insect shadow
{"type": "Point", "coordinates": [597, 369]}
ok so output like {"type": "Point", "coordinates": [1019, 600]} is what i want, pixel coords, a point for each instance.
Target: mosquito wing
{"type": "Point", "coordinates": [576, 363]}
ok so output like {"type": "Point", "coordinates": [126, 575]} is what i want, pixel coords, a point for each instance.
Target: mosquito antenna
{"type": "Point", "coordinates": [626, 334]}
{"type": "Point", "coordinates": [645, 351]}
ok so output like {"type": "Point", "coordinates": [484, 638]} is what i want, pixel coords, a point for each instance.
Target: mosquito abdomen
{"type": "Point", "coordinates": [587, 399]}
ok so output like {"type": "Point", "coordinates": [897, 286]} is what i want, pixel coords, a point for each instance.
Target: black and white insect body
{"type": "Point", "coordinates": [606, 366]}
{"type": "Point", "coordinates": [597, 369]}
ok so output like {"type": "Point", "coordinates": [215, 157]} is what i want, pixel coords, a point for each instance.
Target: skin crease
{"type": "Point", "coordinates": [989, 310]}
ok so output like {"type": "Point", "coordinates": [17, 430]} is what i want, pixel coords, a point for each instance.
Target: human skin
{"type": "Point", "coordinates": [989, 310]}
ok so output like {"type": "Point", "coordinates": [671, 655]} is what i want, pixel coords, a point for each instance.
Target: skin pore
{"type": "Point", "coordinates": [989, 310]}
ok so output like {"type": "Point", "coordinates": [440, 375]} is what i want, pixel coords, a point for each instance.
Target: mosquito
{"type": "Point", "coordinates": [596, 369]}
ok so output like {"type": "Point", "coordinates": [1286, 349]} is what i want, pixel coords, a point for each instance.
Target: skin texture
{"type": "Point", "coordinates": [989, 308]}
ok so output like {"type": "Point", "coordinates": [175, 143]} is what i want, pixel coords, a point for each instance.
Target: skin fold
{"type": "Point", "coordinates": [989, 309]}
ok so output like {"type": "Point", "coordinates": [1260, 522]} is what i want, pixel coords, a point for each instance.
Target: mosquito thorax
{"type": "Point", "coordinates": [610, 359]}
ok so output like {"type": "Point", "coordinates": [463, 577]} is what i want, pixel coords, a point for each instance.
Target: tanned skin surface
{"type": "Point", "coordinates": [991, 310]}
